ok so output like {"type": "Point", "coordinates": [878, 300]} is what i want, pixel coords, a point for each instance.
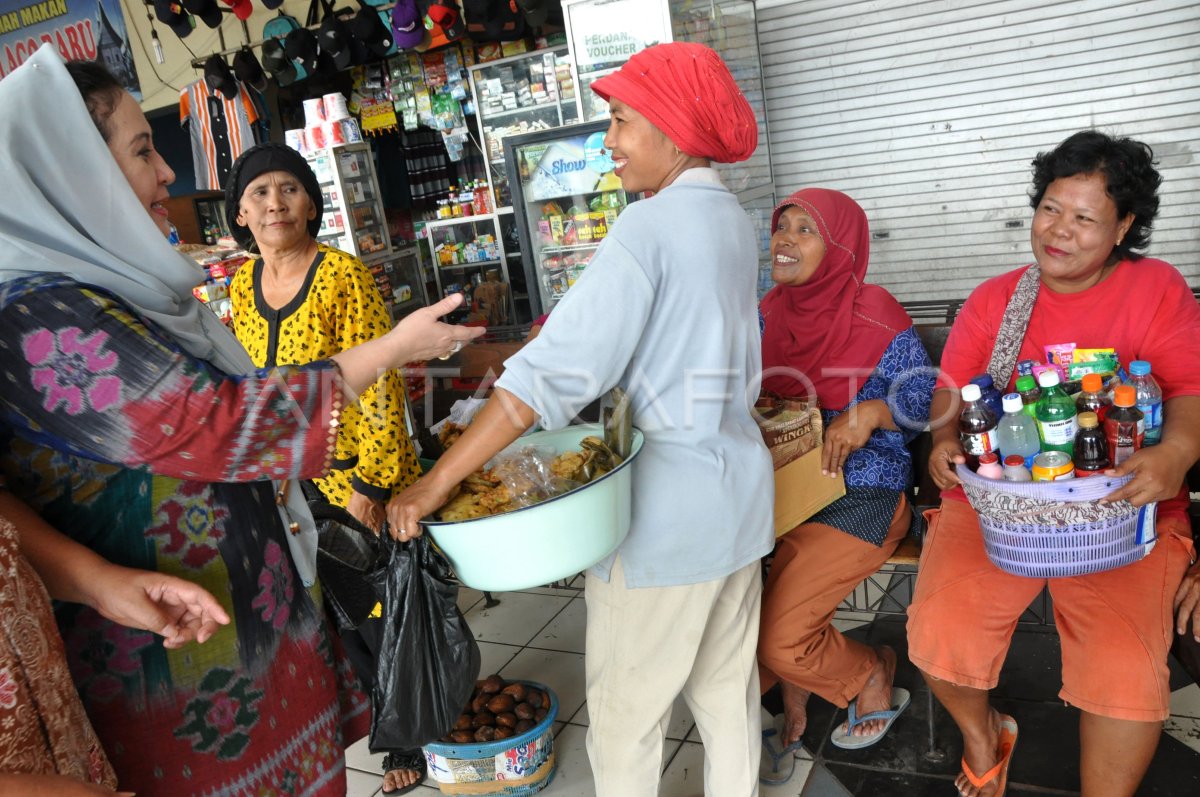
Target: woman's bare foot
{"type": "Point", "coordinates": [795, 708]}
{"type": "Point", "coordinates": [981, 755]}
{"type": "Point", "coordinates": [402, 770]}
{"type": "Point", "coordinates": [876, 695]}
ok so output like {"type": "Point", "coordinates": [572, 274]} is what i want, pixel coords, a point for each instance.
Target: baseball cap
{"type": "Point", "coordinates": [407, 27]}
{"type": "Point", "coordinates": [242, 9]}
{"type": "Point", "coordinates": [275, 61]}
{"type": "Point", "coordinates": [172, 14]}
{"type": "Point", "coordinates": [247, 69]}
{"type": "Point", "coordinates": [219, 78]}
{"type": "Point", "coordinates": [207, 10]}
{"type": "Point", "coordinates": [446, 15]}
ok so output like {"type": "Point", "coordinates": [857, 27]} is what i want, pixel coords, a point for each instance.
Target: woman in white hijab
{"type": "Point", "coordinates": [127, 422]}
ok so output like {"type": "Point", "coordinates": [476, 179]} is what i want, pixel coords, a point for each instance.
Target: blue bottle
{"type": "Point", "coordinates": [1149, 399]}
{"type": "Point", "coordinates": [988, 394]}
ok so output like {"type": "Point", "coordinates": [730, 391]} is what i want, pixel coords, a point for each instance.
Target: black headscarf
{"type": "Point", "coordinates": [258, 160]}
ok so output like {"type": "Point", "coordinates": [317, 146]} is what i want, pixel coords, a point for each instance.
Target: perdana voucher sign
{"type": "Point", "coordinates": [81, 30]}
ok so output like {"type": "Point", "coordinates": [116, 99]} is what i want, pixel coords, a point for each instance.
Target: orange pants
{"type": "Point", "coordinates": [815, 568]}
{"type": "Point", "coordinates": [1115, 627]}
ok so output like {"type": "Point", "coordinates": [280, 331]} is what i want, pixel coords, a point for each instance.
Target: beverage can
{"type": "Point", "coordinates": [1051, 466]}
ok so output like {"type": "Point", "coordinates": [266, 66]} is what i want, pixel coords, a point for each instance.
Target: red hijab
{"type": "Point", "coordinates": [835, 320]}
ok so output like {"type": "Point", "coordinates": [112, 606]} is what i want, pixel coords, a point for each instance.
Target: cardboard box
{"type": "Point", "coordinates": [793, 431]}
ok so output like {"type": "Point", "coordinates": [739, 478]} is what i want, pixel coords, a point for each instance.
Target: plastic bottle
{"type": "Point", "coordinates": [1055, 415]}
{"type": "Point", "coordinates": [1149, 399]}
{"type": "Point", "coordinates": [1016, 432]}
{"type": "Point", "coordinates": [1123, 426]}
{"type": "Point", "coordinates": [989, 394]}
{"type": "Point", "coordinates": [976, 426]}
{"type": "Point", "coordinates": [1091, 447]}
{"type": "Point", "coordinates": [1029, 392]}
{"type": "Point", "coordinates": [1093, 398]}
{"type": "Point", "coordinates": [989, 466]}
{"type": "Point", "coordinates": [1015, 470]}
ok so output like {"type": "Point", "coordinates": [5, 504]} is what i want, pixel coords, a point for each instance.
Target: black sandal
{"type": "Point", "coordinates": [405, 759]}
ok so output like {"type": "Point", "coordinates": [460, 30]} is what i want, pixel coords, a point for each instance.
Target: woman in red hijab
{"type": "Point", "coordinates": [827, 333]}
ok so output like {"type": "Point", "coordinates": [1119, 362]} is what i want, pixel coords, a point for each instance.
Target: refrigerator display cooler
{"type": "Point", "coordinates": [565, 197]}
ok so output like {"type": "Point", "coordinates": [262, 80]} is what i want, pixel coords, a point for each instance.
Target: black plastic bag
{"type": "Point", "coordinates": [347, 554]}
{"type": "Point", "coordinates": [428, 657]}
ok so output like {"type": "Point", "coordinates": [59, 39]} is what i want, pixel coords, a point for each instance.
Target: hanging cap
{"type": "Point", "coordinates": [368, 26]}
{"type": "Point", "coordinates": [301, 45]}
{"type": "Point", "coordinates": [686, 91]}
{"type": "Point", "coordinates": [536, 11]}
{"type": "Point", "coordinates": [407, 30]}
{"type": "Point", "coordinates": [242, 9]}
{"type": "Point", "coordinates": [219, 78]}
{"type": "Point", "coordinates": [275, 61]}
{"type": "Point", "coordinates": [446, 15]}
{"type": "Point", "coordinates": [272, 4]}
{"type": "Point", "coordinates": [334, 38]}
{"type": "Point", "coordinates": [172, 14]}
{"type": "Point", "coordinates": [247, 69]}
{"type": "Point", "coordinates": [207, 10]}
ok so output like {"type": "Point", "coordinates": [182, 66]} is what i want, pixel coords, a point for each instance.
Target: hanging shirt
{"type": "Point", "coordinates": [219, 129]}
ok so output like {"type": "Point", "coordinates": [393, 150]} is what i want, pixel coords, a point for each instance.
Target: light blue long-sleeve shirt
{"type": "Point", "coordinates": [667, 309]}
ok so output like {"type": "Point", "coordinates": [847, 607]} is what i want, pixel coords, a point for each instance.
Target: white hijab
{"type": "Point", "coordinates": [66, 208]}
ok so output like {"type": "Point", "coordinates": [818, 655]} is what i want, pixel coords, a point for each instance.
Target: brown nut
{"type": "Point", "coordinates": [462, 737]}
{"type": "Point", "coordinates": [518, 692]}
{"type": "Point", "coordinates": [492, 684]}
{"type": "Point", "coordinates": [504, 733]}
{"type": "Point", "coordinates": [524, 726]}
{"type": "Point", "coordinates": [501, 703]}
{"type": "Point", "coordinates": [479, 702]}
{"type": "Point", "coordinates": [506, 720]}
{"type": "Point", "coordinates": [524, 711]}
{"type": "Point", "coordinates": [540, 714]}
{"type": "Point", "coordinates": [485, 734]}
{"type": "Point", "coordinates": [536, 699]}
{"type": "Point", "coordinates": [464, 722]}
{"type": "Point", "coordinates": [483, 718]}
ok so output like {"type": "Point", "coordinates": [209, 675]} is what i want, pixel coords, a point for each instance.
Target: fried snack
{"type": "Point", "coordinates": [449, 433]}
{"type": "Point", "coordinates": [464, 506]}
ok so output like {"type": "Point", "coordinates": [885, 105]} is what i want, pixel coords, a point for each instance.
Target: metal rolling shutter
{"type": "Point", "coordinates": [929, 113]}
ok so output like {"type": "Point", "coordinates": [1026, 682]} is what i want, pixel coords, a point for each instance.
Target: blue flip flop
{"type": "Point", "coordinates": [844, 739]}
{"type": "Point", "coordinates": [777, 766]}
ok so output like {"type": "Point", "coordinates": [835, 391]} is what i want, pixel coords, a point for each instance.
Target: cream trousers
{"type": "Point", "coordinates": [645, 647]}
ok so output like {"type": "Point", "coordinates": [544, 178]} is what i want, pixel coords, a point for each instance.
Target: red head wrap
{"type": "Point", "coordinates": [686, 91]}
{"type": "Point", "coordinates": [835, 321]}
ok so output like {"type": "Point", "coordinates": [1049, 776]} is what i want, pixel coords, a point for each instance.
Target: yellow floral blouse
{"type": "Point", "coordinates": [339, 306]}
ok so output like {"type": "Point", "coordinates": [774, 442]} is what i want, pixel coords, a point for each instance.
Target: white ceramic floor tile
{"type": "Point", "coordinates": [562, 672]}
{"type": "Point", "coordinates": [1186, 702]}
{"type": "Point", "coordinates": [684, 775]}
{"type": "Point", "coordinates": [493, 656]}
{"type": "Point", "coordinates": [360, 757]}
{"type": "Point", "coordinates": [573, 778]}
{"type": "Point", "coordinates": [682, 725]}
{"type": "Point", "coordinates": [518, 619]}
{"type": "Point", "coordinates": [360, 784]}
{"type": "Point", "coordinates": [467, 598]}
{"type": "Point", "coordinates": [566, 632]}
{"type": "Point", "coordinates": [1185, 729]}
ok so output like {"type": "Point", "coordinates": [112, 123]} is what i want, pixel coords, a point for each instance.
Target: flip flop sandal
{"type": "Point", "coordinates": [844, 738]}
{"type": "Point", "coordinates": [777, 766]}
{"type": "Point", "coordinates": [405, 759]}
{"type": "Point", "coordinates": [1008, 742]}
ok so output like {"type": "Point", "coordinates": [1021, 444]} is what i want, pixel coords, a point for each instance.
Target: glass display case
{"type": "Point", "coordinates": [468, 257]}
{"type": "Point", "coordinates": [406, 277]}
{"type": "Point", "coordinates": [565, 197]}
{"type": "Point", "coordinates": [523, 93]}
{"type": "Point", "coordinates": [353, 218]}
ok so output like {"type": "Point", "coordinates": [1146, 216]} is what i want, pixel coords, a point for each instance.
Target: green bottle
{"type": "Point", "coordinates": [1055, 415]}
{"type": "Point", "coordinates": [1027, 387]}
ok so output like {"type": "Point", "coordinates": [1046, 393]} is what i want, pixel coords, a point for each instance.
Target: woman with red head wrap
{"type": "Point", "coordinates": [827, 332]}
{"type": "Point", "coordinates": [666, 310]}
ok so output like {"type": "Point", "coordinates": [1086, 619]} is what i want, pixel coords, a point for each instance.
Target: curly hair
{"type": "Point", "coordinates": [100, 91]}
{"type": "Point", "coordinates": [1131, 180]}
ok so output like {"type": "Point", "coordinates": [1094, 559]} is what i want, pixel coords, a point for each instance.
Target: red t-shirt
{"type": "Point", "coordinates": [1144, 309]}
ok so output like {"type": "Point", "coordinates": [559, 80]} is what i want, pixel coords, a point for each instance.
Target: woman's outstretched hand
{"type": "Point", "coordinates": [424, 336]}
{"type": "Point", "coordinates": [178, 610]}
{"type": "Point", "coordinates": [419, 500]}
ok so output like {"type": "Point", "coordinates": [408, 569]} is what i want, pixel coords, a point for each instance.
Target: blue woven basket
{"type": "Point", "coordinates": [515, 767]}
{"type": "Point", "coordinates": [1058, 529]}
